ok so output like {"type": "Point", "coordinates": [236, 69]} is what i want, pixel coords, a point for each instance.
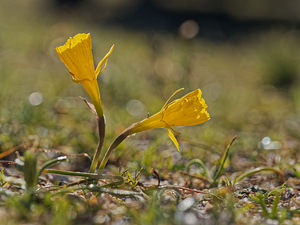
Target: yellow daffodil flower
{"type": "Point", "coordinates": [77, 56]}
{"type": "Point", "coordinates": [187, 111]}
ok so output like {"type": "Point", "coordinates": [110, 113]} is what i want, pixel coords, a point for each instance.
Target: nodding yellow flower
{"type": "Point", "coordinates": [77, 56]}
{"type": "Point", "coordinates": [187, 111]}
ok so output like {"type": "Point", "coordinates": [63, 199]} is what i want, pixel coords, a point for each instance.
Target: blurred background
{"type": "Point", "coordinates": [243, 55]}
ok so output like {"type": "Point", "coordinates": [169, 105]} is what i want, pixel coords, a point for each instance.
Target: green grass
{"type": "Point", "coordinates": [251, 87]}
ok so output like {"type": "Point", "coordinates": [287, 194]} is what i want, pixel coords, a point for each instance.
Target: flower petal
{"type": "Point", "coordinates": [98, 70]}
{"type": "Point", "coordinates": [171, 97]}
{"type": "Point", "coordinates": [76, 54]}
{"type": "Point", "coordinates": [188, 110]}
{"type": "Point", "coordinates": [172, 137]}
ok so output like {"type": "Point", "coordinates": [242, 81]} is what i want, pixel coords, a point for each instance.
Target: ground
{"type": "Point", "coordinates": [240, 167]}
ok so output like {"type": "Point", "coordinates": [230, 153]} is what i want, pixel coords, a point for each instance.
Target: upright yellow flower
{"type": "Point", "coordinates": [187, 111]}
{"type": "Point", "coordinates": [77, 56]}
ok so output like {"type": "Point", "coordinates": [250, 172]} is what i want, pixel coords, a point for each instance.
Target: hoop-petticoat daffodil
{"type": "Point", "coordinates": [77, 56]}
{"type": "Point", "coordinates": [187, 111]}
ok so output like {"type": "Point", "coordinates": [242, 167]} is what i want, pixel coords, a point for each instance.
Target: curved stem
{"type": "Point", "coordinates": [113, 146]}
{"type": "Point", "coordinates": [96, 157]}
{"type": "Point", "coordinates": [202, 165]}
{"type": "Point", "coordinates": [51, 163]}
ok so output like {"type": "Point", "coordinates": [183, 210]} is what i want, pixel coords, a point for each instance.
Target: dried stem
{"type": "Point", "coordinates": [12, 150]}
{"type": "Point", "coordinates": [157, 176]}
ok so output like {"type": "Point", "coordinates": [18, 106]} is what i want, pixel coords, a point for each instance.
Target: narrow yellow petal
{"type": "Point", "coordinates": [98, 70]}
{"type": "Point", "coordinates": [103, 69]}
{"type": "Point", "coordinates": [174, 131]}
{"type": "Point", "coordinates": [171, 97]}
{"type": "Point", "coordinates": [172, 137]}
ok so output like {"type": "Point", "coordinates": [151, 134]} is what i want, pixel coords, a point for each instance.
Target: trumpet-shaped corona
{"type": "Point", "coordinates": [77, 56]}
{"type": "Point", "coordinates": [187, 111]}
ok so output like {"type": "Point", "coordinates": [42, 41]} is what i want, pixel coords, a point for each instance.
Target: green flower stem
{"type": "Point", "coordinates": [113, 146]}
{"type": "Point", "coordinates": [101, 130]}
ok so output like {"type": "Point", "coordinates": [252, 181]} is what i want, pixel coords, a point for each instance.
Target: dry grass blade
{"type": "Point", "coordinates": [157, 176]}
{"type": "Point", "coordinates": [8, 162]}
{"type": "Point", "coordinates": [90, 106]}
{"type": "Point", "coordinates": [12, 150]}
